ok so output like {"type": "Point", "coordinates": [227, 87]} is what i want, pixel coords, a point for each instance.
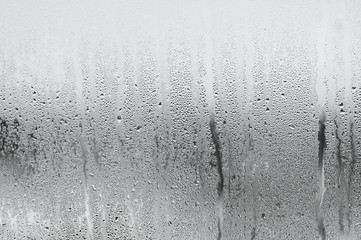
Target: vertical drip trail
{"type": "Point", "coordinates": [341, 178]}
{"type": "Point", "coordinates": [323, 66]}
{"type": "Point", "coordinates": [86, 195]}
{"type": "Point", "coordinates": [321, 177]}
{"type": "Point", "coordinates": [350, 176]}
{"type": "Point", "coordinates": [220, 185]}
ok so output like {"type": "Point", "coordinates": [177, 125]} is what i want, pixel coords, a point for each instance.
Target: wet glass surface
{"type": "Point", "coordinates": [180, 120]}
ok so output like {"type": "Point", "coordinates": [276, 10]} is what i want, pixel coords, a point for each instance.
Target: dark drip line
{"type": "Point", "coordinates": [220, 184]}
{"type": "Point", "coordinates": [321, 150]}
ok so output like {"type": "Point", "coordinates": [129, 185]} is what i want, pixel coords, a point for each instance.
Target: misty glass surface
{"type": "Point", "coordinates": [180, 120]}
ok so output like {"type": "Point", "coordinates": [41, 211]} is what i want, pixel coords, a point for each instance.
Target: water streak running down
{"type": "Point", "coordinates": [87, 213]}
{"type": "Point", "coordinates": [321, 176]}
{"type": "Point", "coordinates": [340, 178]}
{"type": "Point", "coordinates": [220, 184]}
{"type": "Point", "coordinates": [350, 189]}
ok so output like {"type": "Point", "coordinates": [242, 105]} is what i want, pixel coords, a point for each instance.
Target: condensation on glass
{"type": "Point", "coordinates": [180, 120]}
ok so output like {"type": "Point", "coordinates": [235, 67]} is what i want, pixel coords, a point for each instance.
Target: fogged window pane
{"type": "Point", "coordinates": [180, 120]}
